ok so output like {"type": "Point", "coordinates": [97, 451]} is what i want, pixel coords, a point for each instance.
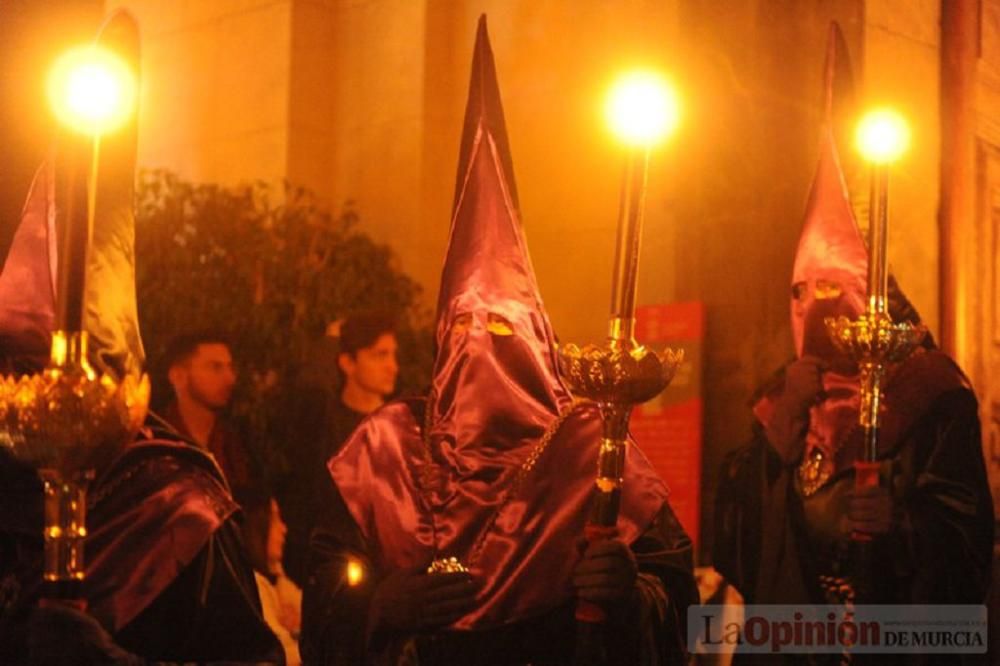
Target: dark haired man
{"type": "Point", "coordinates": [200, 371]}
{"type": "Point", "coordinates": [323, 419]}
{"type": "Point", "coordinates": [368, 367]}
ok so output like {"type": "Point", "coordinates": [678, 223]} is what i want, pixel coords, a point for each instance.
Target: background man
{"type": "Point", "coordinates": [324, 416]}
{"type": "Point", "coordinates": [200, 371]}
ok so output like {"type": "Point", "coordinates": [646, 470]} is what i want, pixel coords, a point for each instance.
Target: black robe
{"type": "Point", "coordinates": [335, 627]}
{"type": "Point", "coordinates": [776, 543]}
{"type": "Point", "coordinates": [167, 576]}
{"type": "Point", "coordinates": [320, 423]}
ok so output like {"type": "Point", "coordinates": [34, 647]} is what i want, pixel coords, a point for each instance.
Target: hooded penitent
{"type": "Point", "coordinates": [133, 551]}
{"type": "Point", "coordinates": [450, 476]}
{"type": "Point", "coordinates": [829, 279]}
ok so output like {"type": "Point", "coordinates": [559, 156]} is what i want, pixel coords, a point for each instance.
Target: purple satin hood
{"type": "Point", "coordinates": [830, 248]}
{"type": "Point", "coordinates": [496, 391]}
{"type": "Point", "coordinates": [526, 561]}
{"type": "Point", "coordinates": [27, 291]}
{"type": "Point", "coordinates": [495, 388]}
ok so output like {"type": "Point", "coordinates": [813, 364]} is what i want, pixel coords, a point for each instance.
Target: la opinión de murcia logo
{"type": "Point", "coordinates": [776, 629]}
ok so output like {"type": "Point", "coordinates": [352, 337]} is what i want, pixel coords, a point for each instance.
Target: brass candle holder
{"type": "Point", "coordinates": [66, 421]}
{"type": "Point", "coordinates": [621, 373]}
{"type": "Point", "coordinates": [873, 340]}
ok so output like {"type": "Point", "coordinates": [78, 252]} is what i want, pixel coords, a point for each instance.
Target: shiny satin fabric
{"type": "Point", "coordinates": [27, 280]}
{"type": "Point", "coordinates": [829, 277]}
{"type": "Point", "coordinates": [831, 258]}
{"type": "Point", "coordinates": [145, 531]}
{"type": "Point", "coordinates": [149, 515]}
{"type": "Point", "coordinates": [526, 561]}
{"type": "Point", "coordinates": [495, 387]}
{"type": "Point", "coordinates": [496, 390]}
{"type": "Point", "coordinates": [830, 252]}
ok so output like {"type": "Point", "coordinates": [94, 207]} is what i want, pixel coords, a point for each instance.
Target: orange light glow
{"type": "Point", "coordinates": [643, 108]}
{"type": "Point", "coordinates": [91, 90]}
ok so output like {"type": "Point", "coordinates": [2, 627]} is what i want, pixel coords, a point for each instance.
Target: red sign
{"type": "Point", "coordinates": [668, 428]}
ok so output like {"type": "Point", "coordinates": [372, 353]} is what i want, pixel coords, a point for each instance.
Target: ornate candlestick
{"type": "Point", "coordinates": [873, 340]}
{"type": "Point", "coordinates": [622, 373]}
{"type": "Point", "coordinates": [66, 420]}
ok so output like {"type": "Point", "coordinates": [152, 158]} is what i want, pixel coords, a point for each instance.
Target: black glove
{"type": "Point", "coordinates": [803, 388]}
{"type": "Point", "coordinates": [61, 634]}
{"type": "Point", "coordinates": [606, 573]}
{"type": "Point", "coordinates": [411, 600]}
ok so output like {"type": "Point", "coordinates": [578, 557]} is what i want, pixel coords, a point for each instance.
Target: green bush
{"type": "Point", "coordinates": [271, 272]}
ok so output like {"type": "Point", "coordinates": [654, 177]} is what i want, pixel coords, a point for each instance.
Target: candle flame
{"type": "Point", "coordinates": [355, 573]}
{"type": "Point", "coordinates": [91, 90]}
{"type": "Point", "coordinates": [643, 108]}
{"type": "Point", "coordinates": [883, 135]}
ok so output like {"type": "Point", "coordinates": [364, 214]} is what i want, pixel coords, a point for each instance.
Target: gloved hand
{"type": "Point", "coordinates": [606, 572]}
{"type": "Point", "coordinates": [869, 510]}
{"type": "Point", "coordinates": [803, 387]}
{"type": "Point", "coordinates": [411, 600]}
{"type": "Point", "coordinates": [61, 634]}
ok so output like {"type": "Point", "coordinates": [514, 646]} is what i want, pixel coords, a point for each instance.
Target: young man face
{"type": "Point", "coordinates": [373, 369]}
{"type": "Point", "coordinates": [207, 377]}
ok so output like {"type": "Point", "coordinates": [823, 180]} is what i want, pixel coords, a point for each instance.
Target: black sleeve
{"type": "Point", "coordinates": [736, 536]}
{"type": "Point", "coordinates": [945, 522]}
{"type": "Point", "coordinates": [335, 613]}
{"type": "Point", "coordinates": [210, 613]}
{"type": "Point", "coordinates": [305, 439]}
{"type": "Point", "coordinates": [653, 630]}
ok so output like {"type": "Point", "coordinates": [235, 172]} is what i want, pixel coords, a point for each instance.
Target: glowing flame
{"type": "Point", "coordinates": [883, 135]}
{"type": "Point", "coordinates": [91, 90]}
{"type": "Point", "coordinates": [355, 573]}
{"type": "Point", "coordinates": [643, 108]}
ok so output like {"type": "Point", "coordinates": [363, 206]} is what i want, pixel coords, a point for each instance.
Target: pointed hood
{"type": "Point", "coordinates": [829, 277]}
{"type": "Point", "coordinates": [495, 386]}
{"type": "Point", "coordinates": [28, 279]}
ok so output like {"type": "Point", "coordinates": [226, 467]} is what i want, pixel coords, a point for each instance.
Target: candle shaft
{"type": "Point", "coordinates": [878, 241]}
{"type": "Point", "coordinates": [626, 268]}
{"type": "Point", "coordinates": [75, 211]}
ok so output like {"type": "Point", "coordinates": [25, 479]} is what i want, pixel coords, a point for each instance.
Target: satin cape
{"type": "Point", "coordinates": [526, 561]}
{"type": "Point", "coordinates": [425, 479]}
{"type": "Point", "coordinates": [149, 515]}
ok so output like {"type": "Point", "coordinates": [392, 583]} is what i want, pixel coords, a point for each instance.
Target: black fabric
{"type": "Point", "coordinates": [320, 424]}
{"type": "Point", "coordinates": [772, 543]}
{"type": "Point", "coordinates": [649, 630]}
{"type": "Point", "coordinates": [209, 612]}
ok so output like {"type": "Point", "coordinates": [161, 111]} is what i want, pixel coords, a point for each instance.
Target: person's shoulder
{"type": "Point", "coordinates": [932, 376]}
{"type": "Point", "coordinates": [175, 474]}
{"type": "Point", "coordinates": [401, 413]}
